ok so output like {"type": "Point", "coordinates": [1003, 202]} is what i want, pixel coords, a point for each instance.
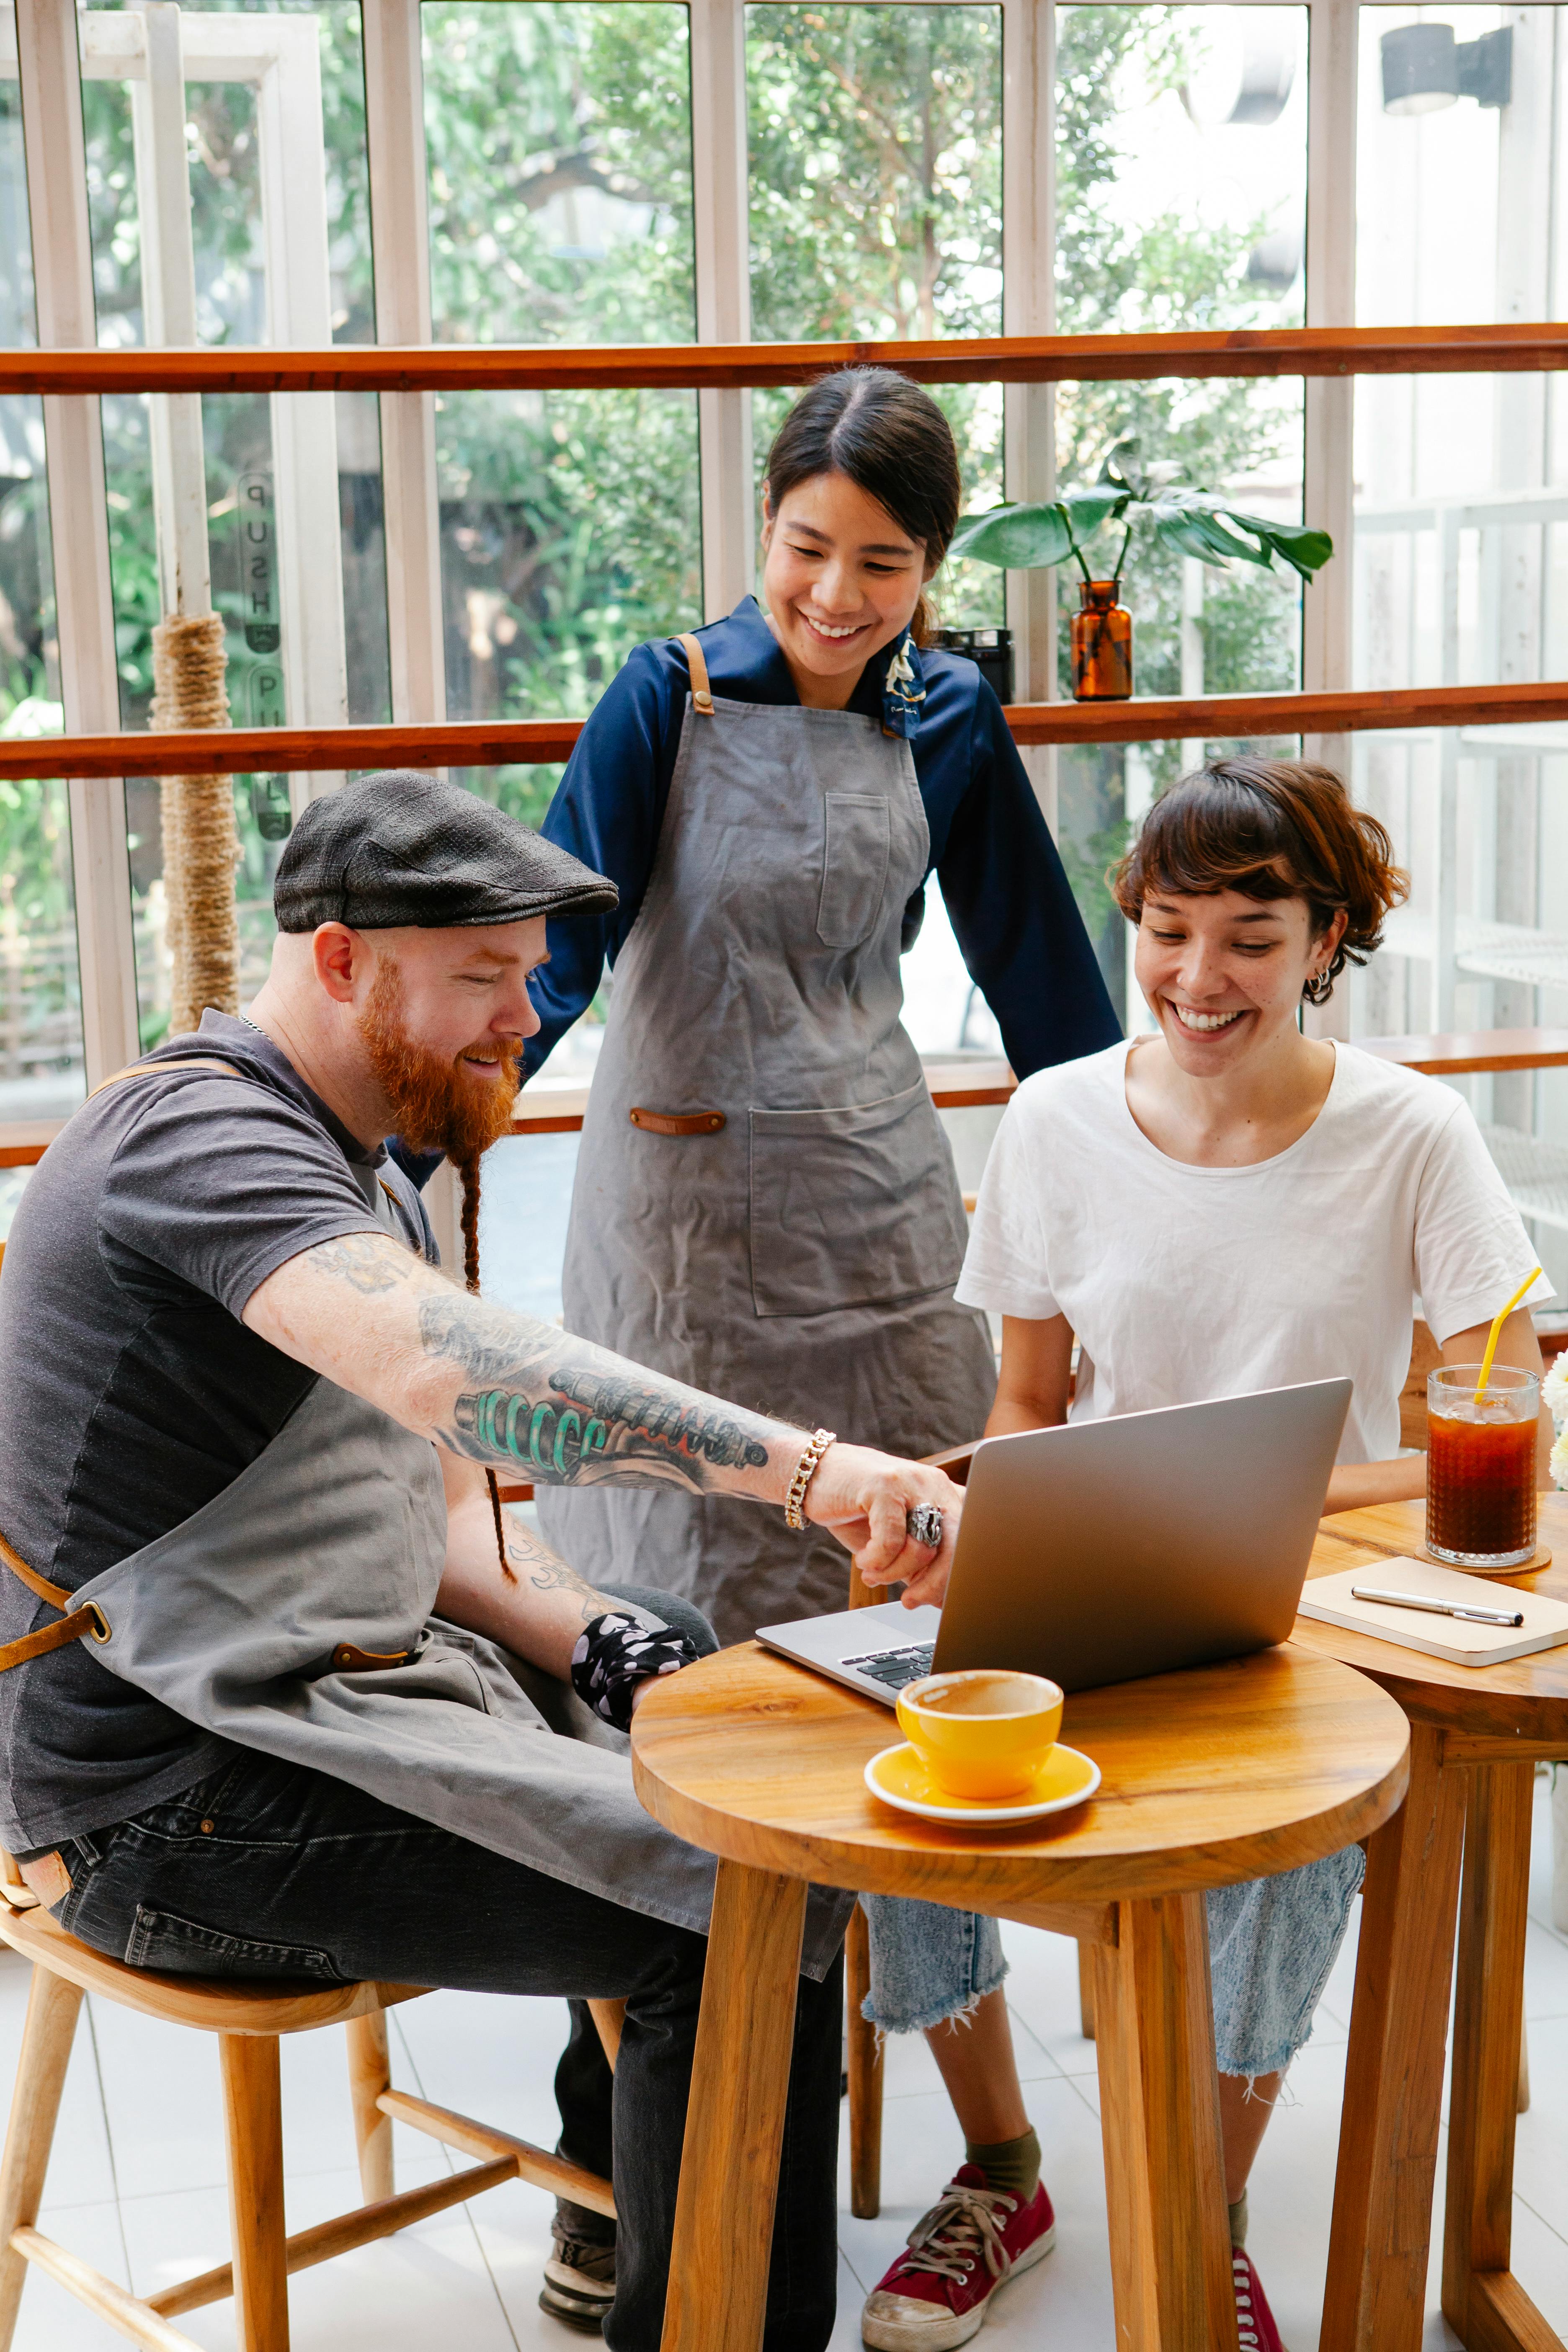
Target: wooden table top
{"type": "Point", "coordinates": [1527, 1698]}
{"type": "Point", "coordinates": [1224, 1773]}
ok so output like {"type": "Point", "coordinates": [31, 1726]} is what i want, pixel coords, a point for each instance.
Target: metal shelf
{"type": "Point", "coordinates": [1488, 950]}
{"type": "Point", "coordinates": [1536, 1173]}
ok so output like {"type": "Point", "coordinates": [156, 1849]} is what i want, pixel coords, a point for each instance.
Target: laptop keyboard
{"type": "Point", "coordinates": [894, 1668]}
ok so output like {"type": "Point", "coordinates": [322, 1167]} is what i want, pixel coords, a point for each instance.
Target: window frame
{"type": "Point", "coordinates": [49, 72]}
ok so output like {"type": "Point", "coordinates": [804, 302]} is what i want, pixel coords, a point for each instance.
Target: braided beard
{"type": "Point", "coordinates": [436, 1108]}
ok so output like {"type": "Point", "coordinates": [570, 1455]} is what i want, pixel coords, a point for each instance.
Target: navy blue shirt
{"type": "Point", "coordinates": [1012, 914]}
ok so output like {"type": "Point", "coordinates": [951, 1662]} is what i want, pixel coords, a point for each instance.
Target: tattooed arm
{"type": "Point", "coordinates": [540, 1612]}
{"type": "Point", "coordinates": [505, 1389]}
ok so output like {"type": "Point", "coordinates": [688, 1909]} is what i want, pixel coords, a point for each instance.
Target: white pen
{"type": "Point", "coordinates": [1472, 1616]}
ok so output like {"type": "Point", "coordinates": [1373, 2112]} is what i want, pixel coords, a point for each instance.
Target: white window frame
{"type": "Point", "coordinates": [49, 71]}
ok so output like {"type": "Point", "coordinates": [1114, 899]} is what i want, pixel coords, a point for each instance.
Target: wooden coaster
{"type": "Point", "coordinates": [1531, 1567]}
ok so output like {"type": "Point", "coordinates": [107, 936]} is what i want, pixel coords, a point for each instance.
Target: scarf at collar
{"type": "Point", "coordinates": [903, 690]}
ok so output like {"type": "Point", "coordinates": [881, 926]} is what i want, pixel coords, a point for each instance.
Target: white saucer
{"type": "Point", "coordinates": [899, 1777]}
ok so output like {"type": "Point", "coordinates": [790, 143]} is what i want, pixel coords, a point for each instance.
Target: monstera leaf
{"type": "Point", "coordinates": [1027, 538]}
{"type": "Point", "coordinates": [1195, 522]}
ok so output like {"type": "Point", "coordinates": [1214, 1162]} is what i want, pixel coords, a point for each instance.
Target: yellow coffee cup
{"type": "Point", "coordinates": [984, 1733]}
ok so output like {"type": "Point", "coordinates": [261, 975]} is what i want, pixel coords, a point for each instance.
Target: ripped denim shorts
{"type": "Point", "coordinates": [1272, 1942]}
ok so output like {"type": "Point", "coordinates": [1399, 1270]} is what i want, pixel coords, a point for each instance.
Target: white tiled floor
{"type": "Point", "coordinates": [136, 2184]}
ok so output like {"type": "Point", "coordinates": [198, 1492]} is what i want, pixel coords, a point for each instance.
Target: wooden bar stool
{"type": "Point", "coordinates": [249, 2020]}
{"type": "Point", "coordinates": [1476, 1734]}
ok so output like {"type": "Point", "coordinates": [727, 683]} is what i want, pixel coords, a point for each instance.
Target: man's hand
{"type": "Point", "coordinates": [865, 1497]}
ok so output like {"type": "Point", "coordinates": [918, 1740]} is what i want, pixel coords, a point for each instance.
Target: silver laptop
{"type": "Point", "coordinates": [1106, 1550]}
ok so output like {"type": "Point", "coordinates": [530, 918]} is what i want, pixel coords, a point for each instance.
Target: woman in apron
{"type": "Point", "coordinates": [765, 1204]}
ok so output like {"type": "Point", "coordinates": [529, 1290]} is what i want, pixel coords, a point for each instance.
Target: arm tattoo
{"type": "Point", "coordinates": [573, 1414]}
{"type": "Point", "coordinates": [546, 1573]}
{"type": "Point", "coordinates": [368, 1263]}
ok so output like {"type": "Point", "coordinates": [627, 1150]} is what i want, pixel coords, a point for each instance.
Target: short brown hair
{"type": "Point", "coordinates": [1270, 829]}
{"type": "Point", "coordinates": [892, 441]}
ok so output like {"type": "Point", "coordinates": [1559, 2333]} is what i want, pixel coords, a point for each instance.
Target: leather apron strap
{"type": "Point", "coordinates": [89, 1619]}
{"type": "Point", "coordinates": [701, 692]}
{"type": "Point", "coordinates": [155, 1069]}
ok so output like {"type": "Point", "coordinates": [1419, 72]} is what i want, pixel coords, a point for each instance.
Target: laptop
{"type": "Point", "coordinates": [1107, 1549]}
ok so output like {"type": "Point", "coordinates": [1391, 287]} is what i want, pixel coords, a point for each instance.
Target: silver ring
{"type": "Point", "coordinates": [923, 1526]}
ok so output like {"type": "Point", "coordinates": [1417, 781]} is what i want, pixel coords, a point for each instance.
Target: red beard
{"type": "Point", "coordinates": [436, 1105]}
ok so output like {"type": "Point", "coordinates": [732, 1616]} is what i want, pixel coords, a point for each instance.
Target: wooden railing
{"type": "Point", "coordinates": [496, 743]}
{"type": "Point", "coordinates": [1485, 349]}
{"type": "Point", "coordinates": [1005, 359]}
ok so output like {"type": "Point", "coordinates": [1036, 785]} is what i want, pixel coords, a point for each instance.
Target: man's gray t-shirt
{"type": "Point", "coordinates": [130, 1393]}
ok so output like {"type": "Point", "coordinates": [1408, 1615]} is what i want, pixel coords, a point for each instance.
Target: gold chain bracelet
{"type": "Point", "coordinates": [821, 1439]}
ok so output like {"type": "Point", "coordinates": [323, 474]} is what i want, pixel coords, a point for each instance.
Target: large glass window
{"type": "Point", "coordinates": [1461, 548]}
{"type": "Point", "coordinates": [266, 102]}
{"type": "Point", "coordinates": [559, 134]}
{"type": "Point", "coordinates": [1461, 480]}
{"type": "Point", "coordinates": [1181, 195]}
{"type": "Point", "coordinates": [875, 147]}
{"type": "Point", "coordinates": [41, 1074]}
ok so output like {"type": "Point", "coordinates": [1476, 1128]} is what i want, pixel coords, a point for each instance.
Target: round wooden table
{"type": "Point", "coordinates": [1476, 1733]}
{"type": "Point", "coordinates": [1226, 1774]}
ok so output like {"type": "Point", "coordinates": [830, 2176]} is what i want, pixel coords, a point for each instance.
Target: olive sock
{"type": "Point", "coordinates": [1238, 2220]}
{"type": "Point", "coordinates": [1012, 2165]}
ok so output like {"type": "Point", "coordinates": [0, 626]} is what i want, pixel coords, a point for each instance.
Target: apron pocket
{"type": "Point", "coordinates": [162, 1939]}
{"type": "Point", "coordinates": [858, 1207]}
{"type": "Point", "coordinates": [857, 843]}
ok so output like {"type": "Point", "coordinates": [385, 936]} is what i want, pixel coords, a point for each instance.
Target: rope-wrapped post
{"type": "Point", "coordinates": [201, 840]}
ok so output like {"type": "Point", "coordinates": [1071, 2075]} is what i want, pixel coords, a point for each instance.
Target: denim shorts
{"type": "Point", "coordinates": [1272, 1943]}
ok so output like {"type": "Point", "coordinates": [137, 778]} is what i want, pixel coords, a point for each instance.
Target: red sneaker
{"type": "Point", "coordinates": [1254, 2320]}
{"type": "Point", "coordinates": [935, 2296]}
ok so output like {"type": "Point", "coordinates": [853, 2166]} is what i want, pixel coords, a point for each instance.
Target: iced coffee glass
{"type": "Point", "coordinates": [1480, 1465]}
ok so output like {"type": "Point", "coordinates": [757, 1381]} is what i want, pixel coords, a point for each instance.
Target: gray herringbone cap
{"type": "Point", "coordinates": [402, 848]}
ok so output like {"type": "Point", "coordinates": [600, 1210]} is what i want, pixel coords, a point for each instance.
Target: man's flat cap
{"type": "Point", "coordinates": [402, 848]}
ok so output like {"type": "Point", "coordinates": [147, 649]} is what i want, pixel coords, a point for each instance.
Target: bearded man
{"type": "Point", "coordinates": [250, 1432]}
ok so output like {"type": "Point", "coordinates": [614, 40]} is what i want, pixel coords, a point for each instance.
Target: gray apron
{"type": "Point", "coordinates": [799, 1256]}
{"type": "Point", "coordinates": [335, 1535]}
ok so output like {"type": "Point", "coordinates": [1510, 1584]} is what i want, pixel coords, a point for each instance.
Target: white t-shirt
{"type": "Point", "coordinates": [1184, 1283]}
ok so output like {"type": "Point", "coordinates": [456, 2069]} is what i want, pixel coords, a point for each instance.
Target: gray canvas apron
{"type": "Point", "coordinates": [335, 1535]}
{"type": "Point", "coordinates": [799, 1256]}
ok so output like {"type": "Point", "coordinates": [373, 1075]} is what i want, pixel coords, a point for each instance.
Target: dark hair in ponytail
{"type": "Point", "coordinates": [888, 438]}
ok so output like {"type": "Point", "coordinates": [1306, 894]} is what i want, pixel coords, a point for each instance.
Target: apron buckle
{"type": "Point", "coordinates": [693, 1122]}
{"type": "Point", "coordinates": [100, 1628]}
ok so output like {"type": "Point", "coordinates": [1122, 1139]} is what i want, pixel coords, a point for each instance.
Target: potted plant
{"type": "Point", "coordinates": [1198, 522]}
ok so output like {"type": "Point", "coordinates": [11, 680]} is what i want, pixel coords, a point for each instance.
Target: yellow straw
{"type": "Point", "coordinates": [1496, 1332]}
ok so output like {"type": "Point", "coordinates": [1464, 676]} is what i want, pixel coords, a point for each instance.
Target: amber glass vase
{"type": "Point", "coordinates": [1101, 643]}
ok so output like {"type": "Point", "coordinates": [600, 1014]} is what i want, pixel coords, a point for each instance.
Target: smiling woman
{"type": "Point", "coordinates": [1252, 887]}
{"type": "Point", "coordinates": [1229, 1206]}
{"type": "Point", "coordinates": [861, 498]}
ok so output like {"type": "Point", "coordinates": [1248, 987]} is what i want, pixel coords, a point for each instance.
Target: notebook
{"type": "Point", "coordinates": [1545, 1627]}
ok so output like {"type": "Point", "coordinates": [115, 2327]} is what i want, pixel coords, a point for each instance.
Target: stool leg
{"type": "Point", "coordinates": [609, 2019]}
{"type": "Point", "coordinates": [1376, 2290]}
{"type": "Point", "coordinates": [253, 2128]}
{"type": "Point", "coordinates": [865, 2076]}
{"type": "Point", "coordinates": [1488, 2007]}
{"type": "Point", "coordinates": [1159, 2096]}
{"type": "Point", "coordinates": [370, 2073]}
{"type": "Point", "coordinates": [52, 2010]}
{"type": "Point", "coordinates": [1085, 1991]}
{"type": "Point", "coordinates": [734, 2122]}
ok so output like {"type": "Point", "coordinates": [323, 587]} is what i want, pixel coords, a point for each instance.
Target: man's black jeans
{"type": "Point", "coordinates": [265, 1869]}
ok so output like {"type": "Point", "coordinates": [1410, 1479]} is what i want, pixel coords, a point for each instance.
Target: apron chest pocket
{"type": "Point", "coordinates": [858, 1207]}
{"type": "Point", "coordinates": [856, 846]}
